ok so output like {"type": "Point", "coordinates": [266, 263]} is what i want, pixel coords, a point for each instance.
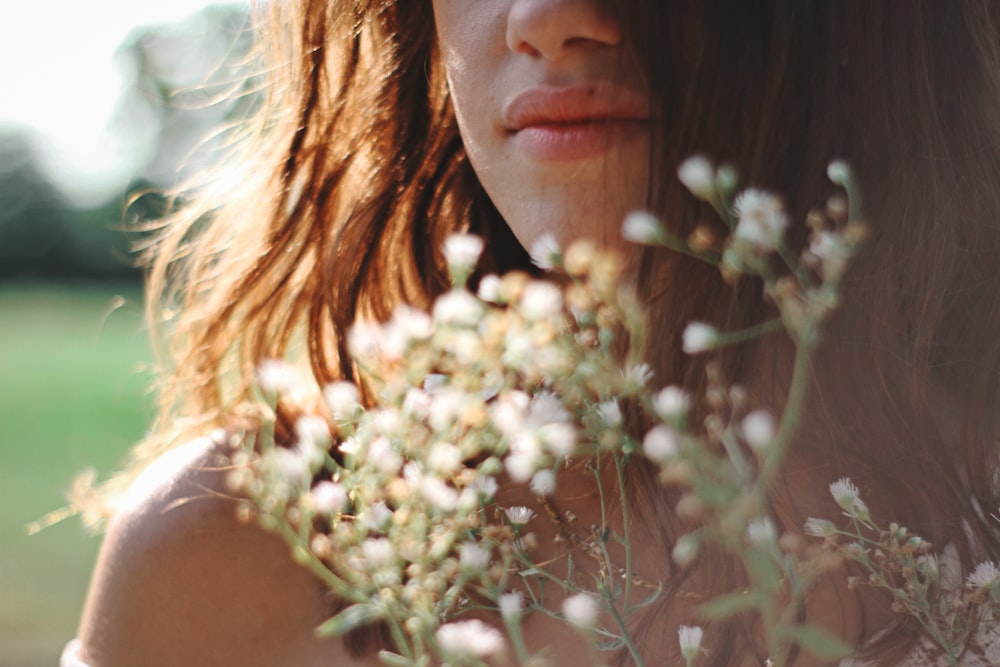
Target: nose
{"type": "Point", "coordinates": [552, 28]}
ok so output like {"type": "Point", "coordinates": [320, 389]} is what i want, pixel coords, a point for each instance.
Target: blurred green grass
{"type": "Point", "coordinates": [72, 396]}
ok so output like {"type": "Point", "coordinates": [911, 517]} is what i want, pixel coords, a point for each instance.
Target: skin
{"type": "Point", "coordinates": [497, 50]}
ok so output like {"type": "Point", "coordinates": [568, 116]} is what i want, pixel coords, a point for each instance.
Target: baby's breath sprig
{"type": "Point", "coordinates": [725, 469]}
{"type": "Point", "coordinates": [393, 504]}
{"type": "Point", "coordinates": [904, 565]}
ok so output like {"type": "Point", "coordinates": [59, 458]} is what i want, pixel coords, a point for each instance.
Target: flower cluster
{"type": "Point", "coordinates": [922, 584]}
{"type": "Point", "coordinates": [387, 489]}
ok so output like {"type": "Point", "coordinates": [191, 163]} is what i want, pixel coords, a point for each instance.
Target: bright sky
{"type": "Point", "coordinates": [57, 75]}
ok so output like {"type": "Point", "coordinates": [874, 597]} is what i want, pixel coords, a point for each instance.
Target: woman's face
{"type": "Point", "coordinates": [552, 110]}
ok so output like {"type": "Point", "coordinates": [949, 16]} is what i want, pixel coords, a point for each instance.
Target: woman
{"type": "Point", "coordinates": [391, 125]}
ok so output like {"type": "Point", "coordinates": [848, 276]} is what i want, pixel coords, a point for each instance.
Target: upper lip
{"type": "Point", "coordinates": [574, 104]}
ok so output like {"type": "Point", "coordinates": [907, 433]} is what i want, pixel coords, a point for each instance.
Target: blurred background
{"type": "Point", "coordinates": [104, 105]}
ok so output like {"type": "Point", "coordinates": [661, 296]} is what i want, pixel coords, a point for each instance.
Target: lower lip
{"type": "Point", "coordinates": [566, 142]}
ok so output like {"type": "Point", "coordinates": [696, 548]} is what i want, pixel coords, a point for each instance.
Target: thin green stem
{"type": "Point", "coordinates": [626, 530]}
{"type": "Point", "coordinates": [625, 635]}
{"type": "Point", "coordinates": [790, 418]}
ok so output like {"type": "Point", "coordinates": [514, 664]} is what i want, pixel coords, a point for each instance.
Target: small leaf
{"type": "Point", "coordinates": [353, 617]}
{"type": "Point", "coordinates": [728, 605]}
{"type": "Point", "coordinates": [818, 641]}
{"type": "Point", "coordinates": [763, 568]}
{"type": "Point", "coordinates": [646, 602]}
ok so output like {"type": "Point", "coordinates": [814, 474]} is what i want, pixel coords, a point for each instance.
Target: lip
{"type": "Point", "coordinates": [576, 122]}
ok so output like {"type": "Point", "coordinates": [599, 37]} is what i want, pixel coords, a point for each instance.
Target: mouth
{"type": "Point", "coordinates": [576, 122]}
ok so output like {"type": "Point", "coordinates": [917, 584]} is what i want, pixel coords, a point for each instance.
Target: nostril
{"type": "Point", "coordinates": [551, 27]}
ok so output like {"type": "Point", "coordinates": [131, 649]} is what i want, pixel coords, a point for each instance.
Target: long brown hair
{"type": "Point", "coordinates": [358, 174]}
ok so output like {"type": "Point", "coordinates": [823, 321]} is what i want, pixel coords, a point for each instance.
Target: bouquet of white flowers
{"type": "Point", "coordinates": [388, 492]}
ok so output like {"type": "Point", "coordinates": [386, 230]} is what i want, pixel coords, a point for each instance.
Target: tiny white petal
{"type": "Point", "coordinates": [469, 639]}
{"type": "Point", "coordinates": [671, 403]}
{"type": "Point", "coordinates": [541, 301]}
{"type": "Point", "coordinates": [985, 575]}
{"type": "Point", "coordinates": [511, 605]}
{"type": "Point", "coordinates": [473, 558]}
{"type": "Point", "coordinates": [581, 610]}
{"type": "Point", "coordinates": [690, 640]}
{"type": "Point", "coordinates": [660, 444]}
{"type": "Point", "coordinates": [489, 288]}
{"type": "Point", "coordinates": [698, 175]}
{"type": "Point", "coordinates": [519, 515]}
{"type": "Point", "coordinates": [699, 337]}
{"type": "Point", "coordinates": [545, 252]}
{"type": "Point", "coordinates": [458, 308]}
{"type": "Point", "coordinates": [642, 227]}
{"type": "Point", "coordinates": [543, 482]}
{"type": "Point", "coordinates": [611, 413]}
{"type": "Point", "coordinates": [342, 400]}
{"type": "Point", "coordinates": [328, 497]}
{"type": "Point", "coordinates": [819, 527]}
{"type": "Point", "coordinates": [462, 251]}
{"type": "Point", "coordinates": [758, 429]}
{"type": "Point", "coordinates": [276, 377]}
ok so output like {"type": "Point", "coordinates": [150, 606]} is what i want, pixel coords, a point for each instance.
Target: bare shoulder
{"type": "Point", "coordinates": [180, 581]}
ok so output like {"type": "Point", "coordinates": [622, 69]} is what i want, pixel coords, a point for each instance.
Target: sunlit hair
{"type": "Point", "coordinates": [358, 174]}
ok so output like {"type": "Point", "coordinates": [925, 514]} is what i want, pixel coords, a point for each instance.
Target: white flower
{"type": "Point", "coordinates": [690, 640]}
{"type": "Point", "coordinates": [378, 552]}
{"type": "Point", "coordinates": [762, 219]}
{"type": "Point", "coordinates": [762, 531]}
{"type": "Point", "coordinates": [819, 527]}
{"type": "Point", "coordinates": [469, 639]}
{"type": "Point", "coordinates": [519, 515]}
{"type": "Point", "coordinates": [560, 439]}
{"type": "Point", "coordinates": [438, 493]}
{"type": "Point", "coordinates": [986, 575]}
{"type": "Point", "coordinates": [461, 252]}
{"type": "Point", "coordinates": [383, 456]}
{"type": "Point", "coordinates": [486, 486]}
{"type": "Point", "coordinates": [610, 413]}
{"type": "Point", "coordinates": [489, 288]}
{"type": "Point", "coordinates": [313, 431]}
{"type": "Point", "coordinates": [328, 497]}
{"type": "Point", "coordinates": [521, 466]}
{"type": "Point", "coordinates": [844, 492]}
{"type": "Point", "coordinates": [276, 378]}
{"type": "Point", "coordinates": [671, 403]}
{"type": "Point", "coordinates": [642, 227]}
{"type": "Point", "coordinates": [342, 400]}
{"type": "Point", "coordinates": [379, 516]}
{"type": "Point", "coordinates": [838, 172]}
{"type": "Point", "coordinates": [447, 403]}
{"type": "Point", "coordinates": [685, 550]}
{"type": "Point", "coordinates": [660, 444]}
{"type": "Point", "coordinates": [473, 558]}
{"type": "Point", "coordinates": [458, 308]}
{"type": "Point", "coordinates": [541, 301]}
{"type": "Point", "coordinates": [698, 175]}
{"type": "Point", "coordinates": [581, 610]}
{"type": "Point", "coordinates": [291, 465]}
{"type": "Point", "coordinates": [846, 495]}
{"type": "Point", "coordinates": [545, 252]}
{"type": "Point", "coordinates": [758, 429]}
{"type": "Point", "coordinates": [444, 458]}
{"type": "Point", "coordinates": [637, 376]}
{"type": "Point", "coordinates": [511, 605]}
{"type": "Point", "coordinates": [416, 403]}
{"type": "Point", "coordinates": [543, 482]}
{"type": "Point", "coordinates": [699, 337]}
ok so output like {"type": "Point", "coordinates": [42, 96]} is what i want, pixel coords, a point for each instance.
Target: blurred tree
{"type": "Point", "coordinates": [184, 85]}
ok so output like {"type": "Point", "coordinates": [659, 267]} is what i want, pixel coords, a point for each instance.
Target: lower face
{"type": "Point", "coordinates": [552, 111]}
